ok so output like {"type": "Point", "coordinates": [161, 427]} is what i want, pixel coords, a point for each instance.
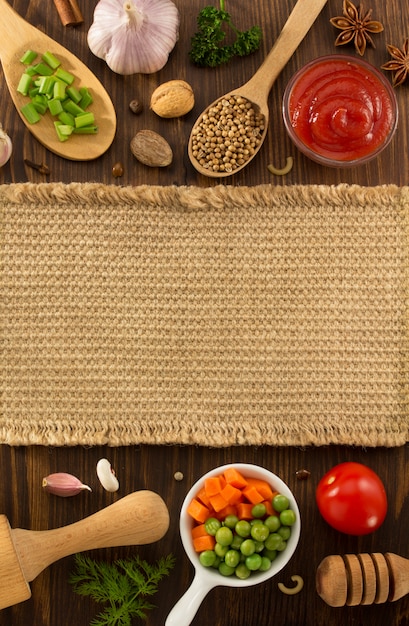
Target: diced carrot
{"type": "Point", "coordinates": [199, 531]}
{"type": "Point", "coordinates": [198, 511]}
{"type": "Point", "coordinates": [244, 510]}
{"type": "Point", "coordinates": [262, 487]}
{"type": "Point", "coordinates": [204, 499]}
{"type": "Point", "coordinates": [230, 509]}
{"type": "Point", "coordinates": [204, 543]}
{"type": "Point", "coordinates": [235, 478]}
{"type": "Point", "coordinates": [231, 494]}
{"type": "Point", "coordinates": [269, 507]}
{"type": "Point", "coordinates": [212, 486]}
{"type": "Point", "coordinates": [218, 502]}
{"type": "Point", "coordinates": [252, 495]}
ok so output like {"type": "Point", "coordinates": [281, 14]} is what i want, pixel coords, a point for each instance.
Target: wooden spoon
{"type": "Point", "coordinates": [362, 579]}
{"type": "Point", "coordinates": [17, 36]}
{"type": "Point", "coordinates": [257, 89]}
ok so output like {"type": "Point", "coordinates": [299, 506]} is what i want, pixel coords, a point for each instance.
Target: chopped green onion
{"type": "Point", "coordinates": [85, 119]}
{"type": "Point", "coordinates": [28, 57]}
{"type": "Point", "coordinates": [55, 106]}
{"type": "Point", "coordinates": [40, 103]}
{"type": "Point", "coordinates": [74, 94]}
{"type": "Point", "coordinates": [51, 60]}
{"type": "Point", "coordinates": [59, 90]}
{"type": "Point", "coordinates": [86, 130]}
{"type": "Point", "coordinates": [71, 107]}
{"type": "Point", "coordinates": [64, 75]}
{"type": "Point", "coordinates": [86, 98]}
{"type": "Point", "coordinates": [30, 113]}
{"type": "Point", "coordinates": [43, 69]}
{"type": "Point", "coordinates": [60, 135]}
{"type": "Point", "coordinates": [67, 118]}
{"type": "Point", "coordinates": [46, 85]}
{"type": "Point", "coordinates": [50, 88]}
{"type": "Point", "coordinates": [24, 84]}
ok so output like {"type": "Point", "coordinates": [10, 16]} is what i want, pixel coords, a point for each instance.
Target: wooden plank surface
{"type": "Point", "coordinates": [22, 499]}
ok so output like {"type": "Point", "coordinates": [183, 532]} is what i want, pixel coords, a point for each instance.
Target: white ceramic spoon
{"type": "Point", "coordinates": [17, 36]}
{"type": "Point", "coordinates": [205, 578]}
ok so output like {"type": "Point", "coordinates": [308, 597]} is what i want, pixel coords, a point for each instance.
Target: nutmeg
{"type": "Point", "coordinates": [172, 99]}
{"type": "Point", "coordinates": [151, 149]}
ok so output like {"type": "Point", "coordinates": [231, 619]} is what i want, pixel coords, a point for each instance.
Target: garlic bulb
{"type": "Point", "coordinates": [134, 36]}
{"type": "Point", "coordinates": [5, 147]}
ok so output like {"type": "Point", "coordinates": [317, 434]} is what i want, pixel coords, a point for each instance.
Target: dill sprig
{"type": "Point", "coordinates": [125, 586]}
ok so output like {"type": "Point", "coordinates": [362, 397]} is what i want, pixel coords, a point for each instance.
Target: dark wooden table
{"type": "Point", "coordinates": [22, 499]}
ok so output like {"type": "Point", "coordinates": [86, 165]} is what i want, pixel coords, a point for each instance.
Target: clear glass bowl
{"type": "Point", "coordinates": [331, 111]}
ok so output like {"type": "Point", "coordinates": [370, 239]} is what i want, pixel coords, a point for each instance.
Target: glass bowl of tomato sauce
{"type": "Point", "coordinates": [340, 111]}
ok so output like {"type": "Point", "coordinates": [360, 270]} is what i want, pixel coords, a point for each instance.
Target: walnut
{"type": "Point", "coordinates": [172, 99]}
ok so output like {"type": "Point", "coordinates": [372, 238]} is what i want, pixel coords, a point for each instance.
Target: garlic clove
{"type": "Point", "coordinates": [107, 476]}
{"type": "Point", "coordinates": [6, 147]}
{"type": "Point", "coordinates": [134, 36]}
{"type": "Point", "coordinates": [64, 485]}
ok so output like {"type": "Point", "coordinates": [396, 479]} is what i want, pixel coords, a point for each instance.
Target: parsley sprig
{"type": "Point", "coordinates": [207, 45]}
{"type": "Point", "coordinates": [125, 586]}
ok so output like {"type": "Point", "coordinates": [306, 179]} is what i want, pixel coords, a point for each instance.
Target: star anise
{"type": "Point", "coordinates": [399, 63]}
{"type": "Point", "coordinates": [355, 24]}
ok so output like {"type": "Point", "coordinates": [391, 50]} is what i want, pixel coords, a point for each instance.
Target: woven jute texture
{"type": "Point", "coordinates": [219, 316]}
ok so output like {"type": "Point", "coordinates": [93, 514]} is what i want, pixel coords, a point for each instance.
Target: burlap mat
{"type": "Point", "coordinates": [221, 316]}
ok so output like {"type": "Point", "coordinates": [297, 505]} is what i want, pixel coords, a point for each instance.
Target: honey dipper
{"type": "Point", "coordinates": [358, 579]}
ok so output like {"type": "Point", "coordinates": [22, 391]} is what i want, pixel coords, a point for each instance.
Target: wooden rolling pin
{"type": "Point", "coordinates": [141, 517]}
{"type": "Point", "coordinates": [354, 579]}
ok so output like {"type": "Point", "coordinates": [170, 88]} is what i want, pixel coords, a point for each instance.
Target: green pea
{"type": "Point", "coordinates": [269, 554]}
{"type": "Point", "coordinates": [243, 528]}
{"type": "Point", "coordinates": [284, 532]}
{"type": "Point", "coordinates": [273, 523]}
{"type": "Point", "coordinates": [232, 558]}
{"type": "Point", "coordinates": [236, 543]}
{"type": "Point", "coordinates": [207, 558]}
{"type": "Point", "coordinates": [280, 503]}
{"type": "Point", "coordinates": [220, 550]}
{"type": "Point", "coordinates": [265, 564]}
{"type": "Point", "coordinates": [287, 517]}
{"type": "Point", "coordinates": [224, 536]}
{"type": "Point", "coordinates": [273, 541]}
{"type": "Point", "coordinates": [248, 547]}
{"type": "Point", "coordinates": [258, 510]}
{"type": "Point", "coordinates": [242, 571]}
{"type": "Point", "coordinates": [259, 532]}
{"type": "Point", "coordinates": [282, 546]}
{"type": "Point", "coordinates": [230, 521]}
{"type": "Point", "coordinates": [253, 562]}
{"type": "Point", "coordinates": [225, 570]}
{"type": "Point", "coordinates": [212, 525]}
{"type": "Point", "coordinates": [259, 546]}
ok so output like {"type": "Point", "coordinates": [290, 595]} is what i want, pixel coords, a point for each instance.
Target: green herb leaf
{"type": "Point", "coordinates": [207, 47]}
{"type": "Point", "coordinates": [123, 585]}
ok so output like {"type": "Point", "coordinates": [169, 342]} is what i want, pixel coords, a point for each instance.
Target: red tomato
{"type": "Point", "coordinates": [352, 499]}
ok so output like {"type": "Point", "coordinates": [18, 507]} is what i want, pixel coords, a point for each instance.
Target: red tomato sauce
{"type": "Point", "coordinates": [340, 109]}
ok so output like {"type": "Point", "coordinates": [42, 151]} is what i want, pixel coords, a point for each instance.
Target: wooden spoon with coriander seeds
{"type": "Point", "coordinates": [17, 36]}
{"type": "Point", "coordinates": [255, 92]}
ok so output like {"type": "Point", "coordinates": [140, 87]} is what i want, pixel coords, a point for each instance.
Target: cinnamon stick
{"type": "Point", "coordinates": [69, 12]}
